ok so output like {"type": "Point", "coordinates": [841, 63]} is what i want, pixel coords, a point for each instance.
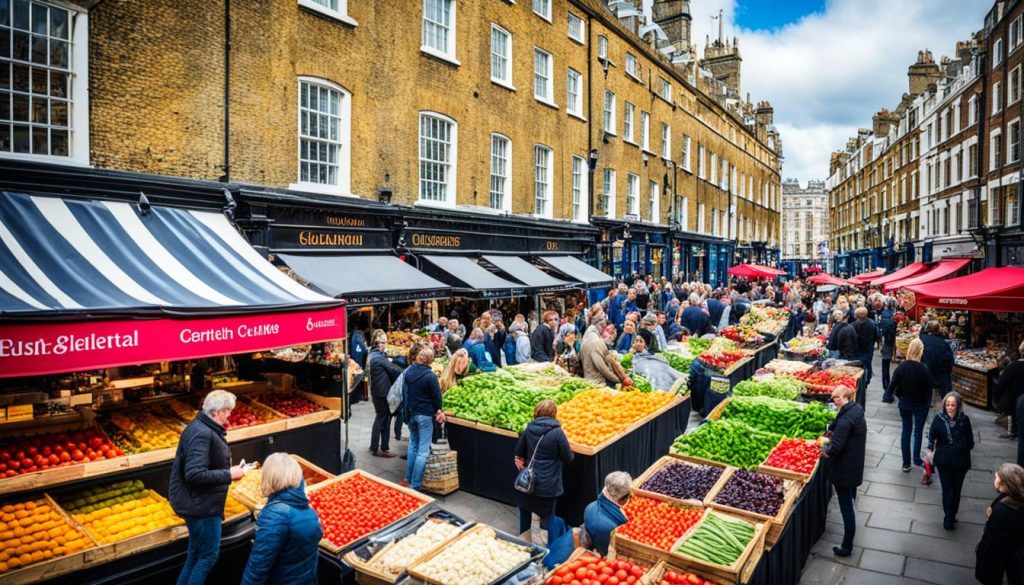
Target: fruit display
{"type": "Point", "coordinates": [717, 540]}
{"type": "Point", "coordinates": [685, 578]}
{"type": "Point", "coordinates": [812, 346]}
{"type": "Point", "coordinates": [683, 481]}
{"type": "Point", "coordinates": [721, 359]}
{"type": "Point", "coordinates": [379, 505]}
{"type": "Point", "coordinates": [32, 531]}
{"type": "Point", "coordinates": [597, 570]}
{"type": "Point", "coordinates": [824, 381]}
{"type": "Point", "coordinates": [232, 507]}
{"type": "Point", "coordinates": [796, 455]}
{"type": "Point", "coordinates": [657, 523]}
{"type": "Point", "coordinates": [978, 359]}
{"type": "Point", "coordinates": [727, 441]}
{"type": "Point", "coordinates": [138, 431]}
{"type": "Point", "coordinates": [743, 335]}
{"type": "Point", "coordinates": [503, 400]}
{"type": "Point", "coordinates": [246, 415]}
{"type": "Point", "coordinates": [249, 488]}
{"type": "Point", "coordinates": [765, 318]}
{"type": "Point", "coordinates": [753, 492]}
{"type": "Point", "coordinates": [785, 417]}
{"type": "Point", "coordinates": [50, 450]}
{"type": "Point", "coordinates": [787, 367]}
{"type": "Point", "coordinates": [774, 387]}
{"type": "Point", "coordinates": [289, 403]}
{"type": "Point", "coordinates": [120, 510]}
{"type": "Point", "coordinates": [478, 557]}
{"type": "Point", "coordinates": [394, 559]}
{"type": "Point", "coordinates": [677, 361]}
{"type": "Point", "coordinates": [596, 415]}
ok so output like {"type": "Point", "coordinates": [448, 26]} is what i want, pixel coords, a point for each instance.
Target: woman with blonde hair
{"type": "Point", "coordinates": [911, 384]}
{"type": "Point", "coordinates": [457, 367]}
{"type": "Point", "coordinates": [288, 531]}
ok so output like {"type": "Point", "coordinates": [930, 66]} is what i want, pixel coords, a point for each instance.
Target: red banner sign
{"type": "Point", "coordinates": [35, 349]}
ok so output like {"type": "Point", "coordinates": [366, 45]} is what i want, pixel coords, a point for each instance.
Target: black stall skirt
{"type": "Point", "coordinates": [486, 465]}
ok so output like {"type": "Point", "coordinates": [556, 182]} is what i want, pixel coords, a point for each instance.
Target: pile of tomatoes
{"type": "Point", "coordinates": [49, 450]}
{"type": "Point", "coordinates": [797, 455]}
{"type": "Point", "coordinates": [354, 507]}
{"type": "Point", "coordinates": [590, 569]}
{"type": "Point", "coordinates": [656, 522]}
{"type": "Point", "coordinates": [674, 578]}
{"type": "Point", "coordinates": [824, 382]}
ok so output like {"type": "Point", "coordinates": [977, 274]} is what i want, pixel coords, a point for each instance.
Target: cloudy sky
{"type": "Point", "coordinates": [828, 65]}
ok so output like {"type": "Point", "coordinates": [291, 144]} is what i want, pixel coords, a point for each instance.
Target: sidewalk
{"type": "Point", "coordinates": [900, 539]}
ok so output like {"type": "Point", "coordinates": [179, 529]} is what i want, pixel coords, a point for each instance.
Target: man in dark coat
{"type": "Point", "coordinates": [200, 476]}
{"type": "Point", "coordinates": [383, 374]}
{"type": "Point", "coordinates": [867, 338]}
{"type": "Point", "coordinates": [845, 456]}
{"type": "Point", "coordinates": [938, 356]}
{"type": "Point", "coordinates": [542, 340]}
{"type": "Point", "coordinates": [843, 338]}
{"type": "Point", "coordinates": [716, 309]}
{"type": "Point", "coordinates": [695, 319]}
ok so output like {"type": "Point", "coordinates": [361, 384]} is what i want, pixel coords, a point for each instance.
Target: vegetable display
{"type": "Point", "coordinates": [810, 346]}
{"type": "Point", "coordinates": [641, 384]}
{"type": "Point", "coordinates": [597, 570]}
{"type": "Point", "coordinates": [697, 345]}
{"type": "Point", "coordinates": [678, 362]}
{"type": "Point", "coordinates": [475, 559]}
{"type": "Point", "coordinates": [774, 388]}
{"type": "Point", "coordinates": [657, 523]}
{"type": "Point", "coordinates": [717, 540]}
{"type": "Point", "coordinates": [752, 491]}
{"type": "Point", "coordinates": [393, 560]}
{"type": "Point", "coordinates": [627, 361]}
{"type": "Point", "coordinates": [683, 481]}
{"type": "Point", "coordinates": [379, 505]}
{"type": "Point", "coordinates": [504, 400]}
{"type": "Point", "coordinates": [720, 360]}
{"type": "Point", "coordinates": [788, 367]}
{"type": "Point", "coordinates": [727, 441]}
{"type": "Point", "coordinates": [795, 455]}
{"type": "Point", "coordinates": [674, 578]}
{"type": "Point", "coordinates": [743, 335]}
{"type": "Point", "coordinates": [824, 382]}
{"type": "Point", "coordinates": [596, 415]}
{"type": "Point", "coordinates": [788, 418]}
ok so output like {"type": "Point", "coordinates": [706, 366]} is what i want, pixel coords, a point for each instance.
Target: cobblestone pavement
{"type": "Point", "coordinates": [900, 539]}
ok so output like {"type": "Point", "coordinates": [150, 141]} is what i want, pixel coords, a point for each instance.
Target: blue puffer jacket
{"type": "Point", "coordinates": [478, 353]}
{"type": "Point", "coordinates": [287, 536]}
{"type": "Point", "coordinates": [599, 519]}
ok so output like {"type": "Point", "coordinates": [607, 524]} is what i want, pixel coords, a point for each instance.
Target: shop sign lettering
{"type": "Point", "coordinates": [308, 238]}
{"type": "Point", "coordinates": [342, 221]}
{"type": "Point", "coordinates": [436, 241]}
{"type": "Point", "coordinates": [65, 344]}
{"type": "Point", "coordinates": [551, 245]}
{"type": "Point", "coordinates": [952, 301]}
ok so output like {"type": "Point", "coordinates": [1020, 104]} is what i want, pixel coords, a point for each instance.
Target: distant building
{"type": "Point", "coordinates": [804, 219]}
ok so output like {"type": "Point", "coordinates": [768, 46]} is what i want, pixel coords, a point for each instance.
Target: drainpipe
{"type": "Point", "coordinates": [226, 177]}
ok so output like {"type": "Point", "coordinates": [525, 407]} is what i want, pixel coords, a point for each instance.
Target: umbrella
{"type": "Point", "coordinates": [769, 270]}
{"type": "Point", "coordinates": [748, 271]}
{"type": "Point", "coordinates": [813, 269]}
{"type": "Point", "coordinates": [826, 279]}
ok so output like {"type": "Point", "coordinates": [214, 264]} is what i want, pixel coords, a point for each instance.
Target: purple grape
{"type": "Point", "coordinates": [683, 481]}
{"type": "Point", "coordinates": [754, 492]}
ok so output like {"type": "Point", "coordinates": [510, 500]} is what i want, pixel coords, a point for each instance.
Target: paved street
{"type": "Point", "coordinates": [900, 539]}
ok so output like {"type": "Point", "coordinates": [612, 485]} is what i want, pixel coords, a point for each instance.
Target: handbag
{"type": "Point", "coordinates": [525, 477]}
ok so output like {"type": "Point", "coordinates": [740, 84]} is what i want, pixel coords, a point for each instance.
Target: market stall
{"type": "Point", "coordinates": [864, 278]}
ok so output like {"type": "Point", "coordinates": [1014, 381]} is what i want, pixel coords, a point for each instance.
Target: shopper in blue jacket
{"type": "Point", "coordinates": [477, 348]}
{"type": "Point", "coordinates": [288, 531]}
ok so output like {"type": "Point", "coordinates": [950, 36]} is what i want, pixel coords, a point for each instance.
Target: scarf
{"type": "Point", "coordinates": [950, 423]}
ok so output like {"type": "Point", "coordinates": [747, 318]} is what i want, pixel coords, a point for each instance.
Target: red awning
{"type": "Point", "coordinates": [826, 279]}
{"type": "Point", "coordinates": [939, 271]}
{"type": "Point", "coordinates": [749, 271]}
{"type": "Point", "coordinates": [992, 289]}
{"type": "Point", "coordinates": [905, 272]}
{"type": "Point", "coordinates": [813, 269]}
{"type": "Point", "coordinates": [769, 270]}
{"type": "Point", "coordinates": [865, 277]}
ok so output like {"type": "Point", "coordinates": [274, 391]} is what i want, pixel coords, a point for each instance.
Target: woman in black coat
{"type": "Point", "coordinates": [844, 453]}
{"type": "Point", "coordinates": [912, 384]}
{"type": "Point", "coordinates": [951, 440]}
{"type": "Point", "coordinates": [544, 447]}
{"type": "Point", "coordinates": [1001, 550]}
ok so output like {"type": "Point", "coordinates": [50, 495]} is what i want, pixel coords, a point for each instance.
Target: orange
{"type": "Point", "coordinates": [3, 567]}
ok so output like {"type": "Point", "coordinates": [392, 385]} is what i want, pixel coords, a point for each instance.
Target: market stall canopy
{"type": "Point", "coordinates": [826, 279]}
{"type": "Point", "coordinates": [993, 289]}
{"type": "Point", "coordinates": [527, 273]}
{"type": "Point", "coordinates": [813, 269]}
{"type": "Point", "coordinates": [467, 277]}
{"type": "Point", "coordinates": [941, 270]}
{"type": "Point", "coordinates": [861, 279]}
{"type": "Point", "coordinates": [748, 271]}
{"type": "Point", "coordinates": [577, 270]}
{"type": "Point", "coordinates": [87, 284]}
{"type": "Point", "coordinates": [905, 272]}
{"type": "Point", "coordinates": [366, 279]}
{"type": "Point", "coordinates": [769, 270]}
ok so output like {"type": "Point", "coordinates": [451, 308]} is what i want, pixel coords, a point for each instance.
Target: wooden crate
{"type": "Point", "coordinates": [732, 573]}
{"type": "Point", "coordinates": [53, 567]}
{"type": "Point", "coordinates": [653, 577]}
{"type": "Point", "coordinates": [37, 480]}
{"type": "Point", "coordinates": [444, 487]}
{"type": "Point", "coordinates": [368, 574]}
{"type": "Point", "coordinates": [637, 552]}
{"type": "Point", "coordinates": [716, 412]}
{"type": "Point", "coordinates": [788, 473]}
{"type": "Point", "coordinates": [335, 549]}
{"type": "Point", "coordinates": [414, 572]}
{"type": "Point", "coordinates": [665, 461]}
{"type": "Point", "coordinates": [774, 524]}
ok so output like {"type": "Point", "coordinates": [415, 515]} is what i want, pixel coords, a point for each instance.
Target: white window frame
{"type": "Point", "coordinates": [645, 131]}
{"type": "Point", "coordinates": [602, 47]}
{"type": "Point", "coordinates": [538, 55]}
{"type": "Point", "coordinates": [995, 138]}
{"type": "Point", "coordinates": [340, 13]}
{"type": "Point", "coordinates": [507, 80]}
{"type": "Point", "coordinates": [701, 160]}
{"type": "Point", "coordinates": [714, 221]}
{"type": "Point", "coordinates": [343, 185]}
{"type": "Point", "coordinates": [608, 119]}
{"type": "Point", "coordinates": [653, 201]}
{"type": "Point", "coordinates": [632, 66]}
{"type": "Point", "coordinates": [666, 141]}
{"type": "Point", "coordinates": [579, 192]}
{"type": "Point", "coordinates": [542, 8]}
{"type": "Point", "coordinates": [701, 223]}
{"type": "Point", "coordinates": [997, 53]}
{"type": "Point", "coordinates": [972, 110]}
{"type": "Point", "coordinates": [574, 101]}
{"type": "Point", "coordinates": [543, 185]}
{"type": "Point", "coordinates": [1015, 33]}
{"type": "Point", "coordinates": [581, 33]}
{"type": "Point", "coordinates": [1010, 207]}
{"type": "Point", "coordinates": [628, 119]}
{"type": "Point", "coordinates": [713, 178]}
{"type": "Point", "coordinates": [78, 96]}
{"type": "Point", "coordinates": [448, 53]}
{"type": "Point", "coordinates": [683, 213]}
{"type": "Point", "coordinates": [452, 174]}
{"type": "Point", "coordinates": [1013, 93]}
{"type": "Point", "coordinates": [997, 97]}
{"type": "Point", "coordinates": [506, 194]}
{"type": "Point", "coordinates": [685, 157]}
{"type": "Point", "coordinates": [665, 92]}
{"type": "Point", "coordinates": [608, 189]}
{"type": "Point", "coordinates": [633, 194]}
{"type": "Point", "coordinates": [1010, 157]}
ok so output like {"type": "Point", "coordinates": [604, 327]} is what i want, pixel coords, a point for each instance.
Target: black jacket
{"type": "Point", "coordinates": [553, 452]}
{"type": "Point", "coordinates": [912, 383]}
{"type": "Point", "coordinates": [952, 445]}
{"type": "Point", "coordinates": [1001, 549]}
{"type": "Point", "coordinates": [844, 340]}
{"type": "Point", "coordinates": [542, 344]}
{"type": "Point", "coordinates": [849, 443]}
{"type": "Point", "coordinates": [383, 373]}
{"type": "Point", "coordinates": [939, 358]}
{"type": "Point", "coordinates": [867, 335]}
{"type": "Point", "coordinates": [1009, 387]}
{"type": "Point", "coordinates": [201, 471]}
{"type": "Point", "coordinates": [422, 392]}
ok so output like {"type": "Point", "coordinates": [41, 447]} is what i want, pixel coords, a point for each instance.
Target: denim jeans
{"type": "Point", "coordinates": [866, 358]}
{"type": "Point", "coordinates": [203, 549]}
{"type": "Point", "coordinates": [421, 430]}
{"type": "Point", "coordinates": [914, 418]}
{"type": "Point", "coordinates": [545, 514]}
{"type": "Point", "coordinates": [886, 395]}
{"type": "Point", "coordinates": [381, 422]}
{"type": "Point", "coordinates": [952, 481]}
{"type": "Point", "coordinates": [847, 496]}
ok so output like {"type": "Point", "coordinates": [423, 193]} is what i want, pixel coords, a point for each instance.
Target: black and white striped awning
{"type": "Point", "coordinates": [75, 257]}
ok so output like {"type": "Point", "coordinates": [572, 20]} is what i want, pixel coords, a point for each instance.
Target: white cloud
{"type": "Point", "coordinates": [829, 72]}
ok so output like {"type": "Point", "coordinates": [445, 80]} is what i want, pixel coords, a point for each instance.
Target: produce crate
{"type": "Point", "coordinates": [594, 449]}
{"type": "Point", "coordinates": [336, 550]}
{"type": "Point", "coordinates": [37, 480]}
{"type": "Point", "coordinates": [775, 524]}
{"type": "Point", "coordinates": [734, 572]}
{"type": "Point", "coordinates": [362, 558]}
{"type": "Point", "coordinates": [658, 571]}
{"type": "Point", "coordinates": [802, 364]}
{"type": "Point", "coordinates": [637, 552]}
{"type": "Point", "coordinates": [651, 575]}
{"type": "Point", "coordinates": [46, 569]}
{"type": "Point", "coordinates": [667, 460]}
{"type": "Point", "coordinates": [331, 407]}
{"type": "Point", "coordinates": [537, 553]}
{"type": "Point", "coordinates": [787, 473]}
